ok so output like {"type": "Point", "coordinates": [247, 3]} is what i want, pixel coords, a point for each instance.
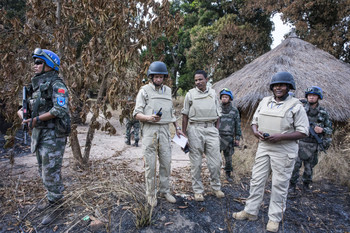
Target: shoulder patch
{"type": "Point", "coordinates": [60, 90]}
{"type": "Point", "coordinates": [61, 101]}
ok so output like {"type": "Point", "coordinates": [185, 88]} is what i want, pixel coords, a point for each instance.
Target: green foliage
{"type": "Point", "coordinates": [217, 36]}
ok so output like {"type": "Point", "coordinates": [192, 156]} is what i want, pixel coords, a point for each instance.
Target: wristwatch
{"type": "Point", "coordinates": [178, 128]}
{"type": "Point", "coordinates": [37, 119]}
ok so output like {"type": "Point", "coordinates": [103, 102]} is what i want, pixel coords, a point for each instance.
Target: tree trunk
{"type": "Point", "coordinates": [93, 123]}
{"type": "Point", "coordinates": [74, 143]}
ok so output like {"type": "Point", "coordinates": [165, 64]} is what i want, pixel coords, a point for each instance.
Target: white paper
{"type": "Point", "coordinates": [181, 141]}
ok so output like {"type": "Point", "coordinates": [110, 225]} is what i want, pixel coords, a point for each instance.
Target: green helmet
{"type": "Point", "coordinates": [157, 67]}
{"type": "Point", "coordinates": [282, 77]}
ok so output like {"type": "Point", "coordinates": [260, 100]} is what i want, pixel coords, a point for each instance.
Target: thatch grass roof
{"type": "Point", "coordinates": [309, 65]}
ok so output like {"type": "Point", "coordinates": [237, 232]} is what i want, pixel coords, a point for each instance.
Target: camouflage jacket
{"type": "Point", "coordinates": [230, 122]}
{"type": "Point", "coordinates": [48, 93]}
{"type": "Point", "coordinates": [320, 117]}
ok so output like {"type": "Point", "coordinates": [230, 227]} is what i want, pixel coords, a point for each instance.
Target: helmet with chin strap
{"type": "Point", "coordinates": [157, 67]}
{"type": "Point", "coordinates": [226, 91]}
{"type": "Point", "coordinates": [51, 59]}
{"type": "Point", "coordinates": [314, 90]}
{"type": "Point", "coordinates": [283, 77]}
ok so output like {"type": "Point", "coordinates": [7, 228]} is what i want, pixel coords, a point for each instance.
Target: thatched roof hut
{"type": "Point", "coordinates": [309, 65]}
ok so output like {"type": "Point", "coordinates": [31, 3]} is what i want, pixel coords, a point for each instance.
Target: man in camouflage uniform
{"type": "Point", "coordinates": [130, 123]}
{"type": "Point", "coordinates": [156, 138]}
{"type": "Point", "coordinates": [229, 130]}
{"type": "Point", "coordinates": [308, 147]}
{"type": "Point", "coordinates": [50, 124]}
{"type": "Point", "coordinates": [201, 112]}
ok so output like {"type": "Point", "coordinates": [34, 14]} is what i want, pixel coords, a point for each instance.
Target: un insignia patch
{"type": "Point", "coordinates": [61, 101]}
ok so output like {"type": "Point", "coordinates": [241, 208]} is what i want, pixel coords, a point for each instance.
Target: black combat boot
{"type": "Point", "coordinates": [292, 188]}
{"type": "Point", "coordinates": [44, 205]}
{"type": "Point", "coordinates": [53, 212]}
{"type": "Point", "coordinates": [127, 142]}
{"type": "Point", "coordinates": [136, 144]}
{"type": "Point", "coordinates": [228, 176]}
{"type": "Point", "coordinates": [306, 187]}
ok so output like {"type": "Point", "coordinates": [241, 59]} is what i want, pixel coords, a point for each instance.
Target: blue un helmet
{"type": "Point", "coordinates": [314, 90]}
{"type": "Point", "coordinates": [157, 67]}
{"type": "Point", "coordinates": [226, 91]}
{"type": "Point", "coordinates": [51, 59]}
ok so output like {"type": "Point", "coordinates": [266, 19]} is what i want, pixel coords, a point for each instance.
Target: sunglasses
{"type": "Point", "coordinates": [38, 62]}
{"type": "Point", "coordinates": [225, 89]}
{"type": "Point", "coordinates": [312, 89]}
{"type": "Point", "coordinates": [40, 52]}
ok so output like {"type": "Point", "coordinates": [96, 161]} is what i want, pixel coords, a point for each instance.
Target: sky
{"type": "Point", "coordinates": [280, 30]}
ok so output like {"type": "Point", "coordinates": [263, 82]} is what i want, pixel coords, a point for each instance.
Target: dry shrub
{"type": "Point", "coordinates": [335, 165]}
{"type": "Point", "coordinates": [244, 156]}
{"type": "Point", "coordinates": [104, 189]}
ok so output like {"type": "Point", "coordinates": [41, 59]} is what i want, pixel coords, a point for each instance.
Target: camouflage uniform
{"type": "Point", "coordinates": [308, 147]}
{"type": "Point", "coordinates": [49, 94]}
{"type": "Point", "coordinates": [131, 122]}
{"type": "Point", "coordinates": [229, 130]}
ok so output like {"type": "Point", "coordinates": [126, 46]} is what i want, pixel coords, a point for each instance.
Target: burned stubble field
{"type": "Point", "coordinates": [109, 197]}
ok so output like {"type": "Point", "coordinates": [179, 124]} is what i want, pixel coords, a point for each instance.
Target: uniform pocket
{"type": "Point", "coordinates": [290, 161]}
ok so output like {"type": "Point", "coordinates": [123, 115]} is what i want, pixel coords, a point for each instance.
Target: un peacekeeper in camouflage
{"type": "Point", "coordinates": [50, 124]}
{"type": "Point", "coordinates": [308, 147]}
{"type": "Point", "coordinates": [130, 123]}
{"type": "Point", "coordinates": [229, 129]}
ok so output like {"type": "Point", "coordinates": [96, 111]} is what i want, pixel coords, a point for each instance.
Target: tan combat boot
{"type": "Point", "coordinates": [170, 198]}
{"type": "Point", "coordinates": [272, 226]}
{"type": "Point", "coordinates": [198, 197]}
{"type": "Point", "coordinates": [242, 215]}
{"type": "Point", "coordinates": [219, 193]}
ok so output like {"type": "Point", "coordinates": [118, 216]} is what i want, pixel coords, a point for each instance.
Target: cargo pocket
{"type": "Point", "coordinates": [290, 161]}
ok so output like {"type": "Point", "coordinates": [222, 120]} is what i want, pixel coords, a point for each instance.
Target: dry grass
{"type": "Point", "coordinates": [104, 189]}
{"type": "Point", "coordinates": [334, 165]}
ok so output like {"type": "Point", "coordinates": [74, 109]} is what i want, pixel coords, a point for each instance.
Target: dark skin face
{"type": "Point", "coordinates": [200, 82]}
{"type": "Point", "coordinates": [279, 90]}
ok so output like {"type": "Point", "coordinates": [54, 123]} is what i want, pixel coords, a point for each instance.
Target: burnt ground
{"type": "Point", "coordinates": [325, 209]}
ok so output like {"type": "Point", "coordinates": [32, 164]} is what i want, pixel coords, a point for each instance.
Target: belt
{"type": "Point", "coordinates": [203, 124]}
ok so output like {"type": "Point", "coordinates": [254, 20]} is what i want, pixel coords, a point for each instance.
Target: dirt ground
{"type": "Point", "coordinates": [325, 209]}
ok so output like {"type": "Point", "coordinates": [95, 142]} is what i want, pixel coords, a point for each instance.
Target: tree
{"type": "Point", "coordinates": [228, 35]}
{"type": "Point", "coordinates": [100, 43]}
{"type": "Point", "coordinates": [218, 36]}
{"type": "Point", "coordinates": [323, 23]}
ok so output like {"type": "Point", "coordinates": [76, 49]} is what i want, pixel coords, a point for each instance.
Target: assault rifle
{"type": "Point", "coordinates": [25, 114]}
{"type": "Point", "coordinates": [318, 139]}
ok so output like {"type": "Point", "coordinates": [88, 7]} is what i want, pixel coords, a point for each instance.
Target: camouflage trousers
{"type": "Point", "coordinates": [308, 155]}
{"type": "Point", "coordinates": [227, 146]}
{"type": "Point", "coordinates": [129, 125]}
{"type": "Point", "coordinates": [49, 153]}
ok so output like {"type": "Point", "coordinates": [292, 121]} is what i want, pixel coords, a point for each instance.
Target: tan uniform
{"type": "Point", "coordinates": [203, 110]}
{"type": "Point", "coordinates": [156, 139]}
{"type": "Point", "coordinates": [275, 117]}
